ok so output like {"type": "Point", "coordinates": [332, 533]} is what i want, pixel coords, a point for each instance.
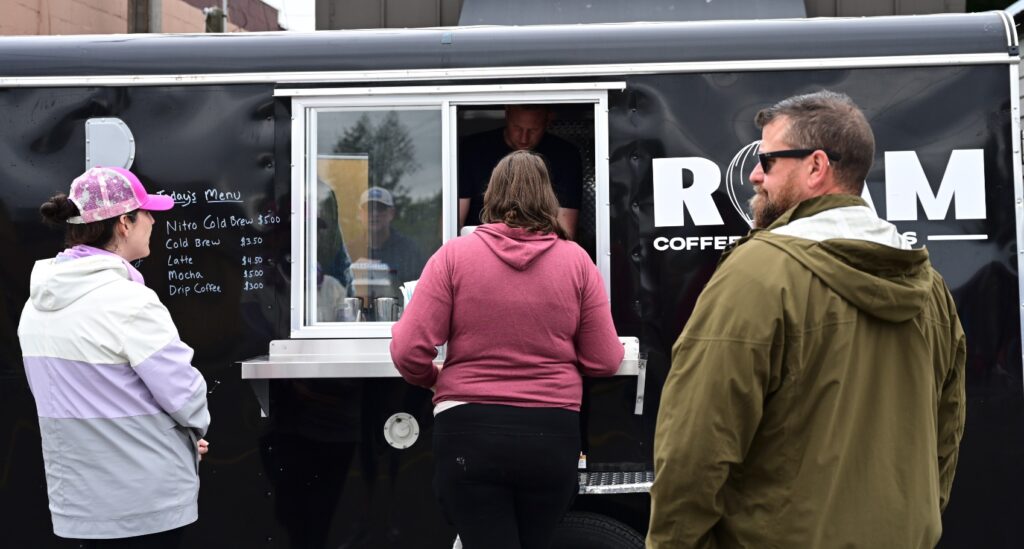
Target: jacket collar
{"type": "Point", "coordinates": [816, 205]}
{"type": "Point", "coordinates": [807, 208]}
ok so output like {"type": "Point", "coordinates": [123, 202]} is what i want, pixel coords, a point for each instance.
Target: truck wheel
{"type": "Point", "coordinates": [582, 530]}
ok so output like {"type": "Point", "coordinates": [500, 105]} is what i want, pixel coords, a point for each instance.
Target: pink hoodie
{"type": "Point", "coordinates": [525, 315]}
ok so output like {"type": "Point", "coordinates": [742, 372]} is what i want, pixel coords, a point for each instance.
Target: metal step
{"type": "Point", "coordinates": [616, 482]}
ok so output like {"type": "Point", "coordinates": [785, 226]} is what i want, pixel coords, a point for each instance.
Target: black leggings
{"type": "Point", "coordinates": [505, 475]}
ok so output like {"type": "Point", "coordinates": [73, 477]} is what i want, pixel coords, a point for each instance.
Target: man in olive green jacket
{"type": "Point", "coordinates": [816, 397]}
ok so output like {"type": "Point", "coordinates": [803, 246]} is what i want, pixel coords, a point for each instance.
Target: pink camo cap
{"type": "Point", "coordinates": [102, 193]}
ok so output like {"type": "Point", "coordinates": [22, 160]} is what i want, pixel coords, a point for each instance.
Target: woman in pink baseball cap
{"type": "Point", "coordinates": [113, 212]}
{"type": "Point", "coordinates": [120, 406]}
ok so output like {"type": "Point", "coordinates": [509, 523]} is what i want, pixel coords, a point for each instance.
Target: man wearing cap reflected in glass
{"type": "Point", "coordinates": [392, 258]}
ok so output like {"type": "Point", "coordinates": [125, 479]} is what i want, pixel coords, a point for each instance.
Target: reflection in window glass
{"type": "Point", "coordinates": [378, 174]}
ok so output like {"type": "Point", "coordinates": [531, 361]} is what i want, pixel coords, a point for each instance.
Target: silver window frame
{"type": "Point", "coordinates": [447, 99]}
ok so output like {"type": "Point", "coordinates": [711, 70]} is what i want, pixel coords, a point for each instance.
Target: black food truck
{"type": "Point", "coordinates": [269, 143]}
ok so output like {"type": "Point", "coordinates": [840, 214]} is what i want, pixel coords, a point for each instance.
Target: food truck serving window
{"type": "Point", "coordinates": [374, 191]}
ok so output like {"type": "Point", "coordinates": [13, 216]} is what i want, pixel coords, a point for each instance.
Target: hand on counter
{"type": "Point", "coordinates": [203, 447]}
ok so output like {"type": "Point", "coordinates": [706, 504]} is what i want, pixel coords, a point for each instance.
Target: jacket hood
{"type": "Point", "coordinates": [56, 284]}
{"type": "Point", "coordinates": [518, 248]}
{"type": "Point", "coordinates": [884, 281]}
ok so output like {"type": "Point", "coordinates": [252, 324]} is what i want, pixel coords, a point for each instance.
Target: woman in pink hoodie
{"type": "Point", "coordinates": [525, 316]}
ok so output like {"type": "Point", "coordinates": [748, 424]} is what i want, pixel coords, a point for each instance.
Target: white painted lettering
{"type": "Point", "coordinates": [183, 275]}
{"type": "Point", "coordinates": [173, 260]}
{"type": "Point", "coordinates": [679, 243]}
{"type": "Point", "coordinates": [206, 242]}
{"type": "Point", "coordinates": [963, 184]}
{"type": "Point", "coordinates": [175, 243]}
{"type": "Point", "coordinates": [213, 195]}
{"type": "Point", "coordinates": [672, 200]}
{"type": "Point", "coordinates": [175, 225]}
{"type": "Point", "coordinates": [179, 290]}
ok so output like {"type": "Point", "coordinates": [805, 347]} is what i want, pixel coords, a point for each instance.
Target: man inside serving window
{"type": "Point", "coordinates": [525, 129]}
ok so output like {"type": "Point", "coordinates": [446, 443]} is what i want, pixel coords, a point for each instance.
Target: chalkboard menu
{"type": "Point", "coordinates": [219, 226]}
{"type": "Point", "coordinates": [217, 260]}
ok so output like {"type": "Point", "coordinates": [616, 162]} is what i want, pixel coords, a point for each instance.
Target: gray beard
{"type": "Point", "coordinates": [767, 213]}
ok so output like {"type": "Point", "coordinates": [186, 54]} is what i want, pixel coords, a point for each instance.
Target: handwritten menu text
{"type": "Point", "coordinates": [189, 236]}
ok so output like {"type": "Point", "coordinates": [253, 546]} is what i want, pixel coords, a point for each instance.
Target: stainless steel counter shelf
{"type": "Point", "coordinates": [364, 358]}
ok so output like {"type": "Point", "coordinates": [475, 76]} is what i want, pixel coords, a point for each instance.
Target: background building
{"type": "Point", "coordinates": [355, 14]}
{"type": "Point", "coordinates": [45, 17]}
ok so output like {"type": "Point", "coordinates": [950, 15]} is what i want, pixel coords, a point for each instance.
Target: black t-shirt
{"type": "Point", "coordinates": [403, 256]}
{"type": "Point", "coordinates": [479, 154]}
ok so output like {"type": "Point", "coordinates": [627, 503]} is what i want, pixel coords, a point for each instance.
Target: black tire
{"type": "Point", "coordinates": [582, 530]}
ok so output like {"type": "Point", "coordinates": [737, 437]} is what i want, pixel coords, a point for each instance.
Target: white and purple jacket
{"type": "Point", "coordinates": [120, 405]}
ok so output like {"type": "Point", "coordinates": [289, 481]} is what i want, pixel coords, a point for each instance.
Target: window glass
{"type": "Point", "coordinates": [378, 210]}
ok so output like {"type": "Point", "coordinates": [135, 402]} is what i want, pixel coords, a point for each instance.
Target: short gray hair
{"type": "Point", "coordinates": [828, 120]}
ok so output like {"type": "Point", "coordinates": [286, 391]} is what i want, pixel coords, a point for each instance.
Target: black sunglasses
{"type": "Point", "coordinates": [768, 158]}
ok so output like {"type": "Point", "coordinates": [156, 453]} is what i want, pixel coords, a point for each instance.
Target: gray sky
{"type": "Point", "coordinates": [295, 15]}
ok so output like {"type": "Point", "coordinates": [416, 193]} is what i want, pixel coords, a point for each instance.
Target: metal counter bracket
{"type": "Point", "coordinates": [261, 387]}
{"type": "Point", "coordinates": [641, 380]}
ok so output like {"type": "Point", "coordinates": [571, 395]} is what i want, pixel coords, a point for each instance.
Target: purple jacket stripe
{"type": "Point", "coordinates": [170, 377]}
{"type": "Point", "coordinates": [80, 390]}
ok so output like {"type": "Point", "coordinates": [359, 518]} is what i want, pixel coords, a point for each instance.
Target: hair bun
{"type": "Point", "coordinates": [58, 209]}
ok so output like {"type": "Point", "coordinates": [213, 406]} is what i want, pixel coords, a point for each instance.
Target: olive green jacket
{"type": "Point", "coordinates": [816, 398]}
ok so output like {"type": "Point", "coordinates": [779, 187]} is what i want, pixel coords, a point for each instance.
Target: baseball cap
{"type": "Point", "coordinates": [377, 194]}
{"type": "Point", "coordinates": [105, 192]}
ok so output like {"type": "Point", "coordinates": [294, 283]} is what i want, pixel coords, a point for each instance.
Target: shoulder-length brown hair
{"type": "Point", "coordinates": [520, 195]}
